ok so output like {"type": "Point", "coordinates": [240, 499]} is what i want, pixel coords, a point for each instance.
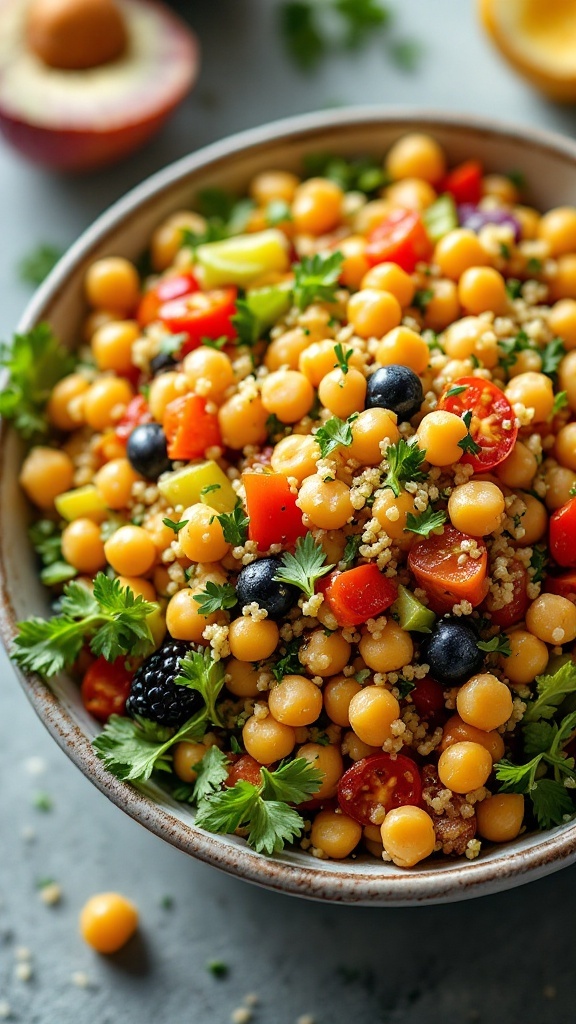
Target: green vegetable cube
{"type": "Point", "coordinates": [412, 614]}
{"type": "Point", "coordinates": [202, 481]}
{"type": "Point", "coordinates": [243, 258]}
{"type": "Point", "coordinates": [81, 503]}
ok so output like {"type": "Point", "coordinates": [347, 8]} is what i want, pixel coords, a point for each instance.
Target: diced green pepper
{"type": "Point", "coordinates": [440, 217]}
{"type": "Point", "coordinates": [269, 304]}
{"type": "Point", "coordinates": [81, 503]}
{"type": "Point", "coordinates": [201, 481]}
{"type": "Point", "coordinates": [243, 258]}
{"type": "Point", "coordinates": [412, 614]}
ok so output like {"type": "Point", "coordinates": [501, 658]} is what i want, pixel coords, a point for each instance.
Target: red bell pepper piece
{"type": "Point", "coordinates": [136, 412]}
{"type": "Point", "coordinates": [563, 535]}
{"type": "Point", "coordinates": [464, 182]}
{"type": "Point", "coordinates": [201, 315]}
{"type": "Point", "coordinates": [168, 288]}
{"type": "Point", "coordinates": [189, 429]}
{"type": "Point", "coordinates": [274, 515]}
{"type": "Point", "coordinates": [401, 238]}
{"type": "Point", "coordinates": [358, 594]}
{"type": "Point", "coordinates": [564, 585]}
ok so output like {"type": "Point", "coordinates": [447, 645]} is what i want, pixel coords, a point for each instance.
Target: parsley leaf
{"type": "Point", "coordinates": [468, 445]}
{"type": "Point", "coordinates": [351, 549]}
{"type": "Point", "coordinates": [510, 347]}
{"type": "Point", "coordinates": [422, 297]}
{"type": "Point", "coordinates": [133, 748]}
{"type": "Point", "coordinates": [560, 402]}
{"type": "Point", "coordinates": [234, 525]}
{"type": "Point", "coordinates": [552, 356]}
{"type": "Point", "coordinates": [551, 691]}
{"type": "Point", "coordinates": [35, 363]}
{"type": "Point", "coordinates": [425, 522]}
{"type": "Point", "coordinates": [316, 278]}
{"type": "Point", "coordinates": [198, 671]}
{"type": "Point", "coordinates": [333, 434]}
{"type": "Point", "coordinates": [246, 323]}
{"type": "Point", "coordinates": [514, 288]}
{"type": "Point", "coordinates": [176, 526]}
{"type": "Point", "coordinates": [358, 175]}
{"type": "Point", "coordinates": [342, 357]}
{"type": "Point", "coordinates": [404, 460]}
{"type": "Point", "coordinates": [538, 563]}
{"type": "Point", "coordinates": [499, 644]}
{"type": "Point", "coordinates": [551, 802]}
{"type": "Point", "coordinates": [211, 772]}
{"type": "Point", "coordinates": [47, 542]}
{"type": "Point", "coordinates": [216, 597]}
{"type": "Point", "coordinates": [305, 566]}
{"type": "Point", "coordinates": [35, 267]}
{"type": "Point", "coordinates": [289, 664]}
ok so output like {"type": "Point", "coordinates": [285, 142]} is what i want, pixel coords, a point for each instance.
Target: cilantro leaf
{"type": "Point", "coordinates": [292, 781]}
{"type": "Point", "coordinates": [216, 597]}
{"type": "Point", "coordinates": [305, 566]}
{"type": "Point", "coordinates": [351, 549]}
{"type": "Point", "coordinates": [36, 265]}
{"type": "Point", "coordinates": [246, 323]}
{"type": "Point", "coordinates": [211, 772]}
{"type": "Point", "coordinates": [333, 434]}
{"type": "Point", "coordinates": [404, 460]}
{"type": "Point", "coordinates": [198, 671]}
{"type": "Point", "coordinates": [468, 444]}
{"type": "Point", "coordinates": [289, 664]}
{"type": "Point", "coordinates": [133, 748]}
{"type": "Point", "coordinates": [316, 279]}
{"type": "Point", "coordinates": [551, 691]}
{"type": "Point", "coordinates": [272, 825]}
{"type": "Point", "coordinates": [552, 802]}
{"type": "Point", "coordinates": [552, 356]}
{"type": "Point", "coordinates": [35, 363]}
{"type": "Point", "coordinates": [499, 644]}
{"type": "Point", "coordinates": [425, 522]}
{"type": "Point", "coordinates": [234, 525]}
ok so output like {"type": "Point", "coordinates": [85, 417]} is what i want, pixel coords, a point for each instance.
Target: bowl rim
{"type": "Point", "coordinates": [436, 884]}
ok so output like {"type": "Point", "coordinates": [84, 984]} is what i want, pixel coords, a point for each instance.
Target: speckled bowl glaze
{"type": "Point", "coordinates": [549, 163]}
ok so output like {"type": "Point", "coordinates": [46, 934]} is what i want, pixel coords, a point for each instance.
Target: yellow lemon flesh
{"type": "Point", "coordinates": [538, 37]}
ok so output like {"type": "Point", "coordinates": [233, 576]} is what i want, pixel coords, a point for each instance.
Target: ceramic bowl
{"type": "Point", "coordinates": [549, 163]}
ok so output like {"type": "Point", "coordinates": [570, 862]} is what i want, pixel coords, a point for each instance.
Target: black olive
{"type": "Point", "coordinates": [162, 362]}
{"type": "Point", "coordinates": [146, 450]}
{"type": "Point", "coordinates": [396, 388]}
{"type": "Point", "coordinates": [256, 583]}
{"type": "Point", "coordinates": [452, 652]}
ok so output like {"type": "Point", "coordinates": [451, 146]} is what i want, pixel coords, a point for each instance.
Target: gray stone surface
{"type": "Point", "coordinates": [505, 958]}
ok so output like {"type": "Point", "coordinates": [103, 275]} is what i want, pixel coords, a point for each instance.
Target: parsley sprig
{"type": "Point", "coordinates": [333, 434]}
{"type": "Point", "coordinates": [35, 362]}
{"type": "Point", "coordinates": [305, 566]}
{"type": "Point", "coordinates": [404, 461]}
{"type": "Point", "coordinates": [468, 445]}
{"type": "Point", "coordinates": [111, 618]}
{"type": "Point", "coordinates": [289, 663]}
{"type": "Point", "coordinates": [499, 644]}
{"type": "Point", "coordinates": [316, 278]}
{"type": "Point", "coordinates": [216, 597]}
{"type": "Point", "coordinates": [47, 542]}
{"type": "Point", "coordinates": [246, 323]}
{"type": "Point", "coordinates": [425, 522]}
{"type": "Point", "coordinates": [234, 525]}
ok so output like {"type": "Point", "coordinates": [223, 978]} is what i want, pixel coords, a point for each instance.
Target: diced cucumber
{"type": "Point", "coordinates": [440, 217]}
{"type": "Point", "coordinates": [269, 304]}
{"type": "Point", "coordinates": [201, 481]}
{"type": "Point", "coordinates": [81, 503]}
{"type": "Point", "coordinates": [412, 614]}
{"type": "Point", "coordinates": [243, 258]}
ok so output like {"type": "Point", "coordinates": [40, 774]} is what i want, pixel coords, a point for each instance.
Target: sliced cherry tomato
{"type": "Point", "coordinates": [464, 182]}
{"type": "Point", "coordinates": [493, 423]}
{"type": "Point", "coordinates": [168, 288]}
{"type": "Point", "coordinates": [136, 412]}
{"type": "Point", "coordinates": [428, 699]}
{"type": "Point", "coordinates": [245, 769]}
{"type": "Point", "coordinates": [563, 534]}
{"type": "Point", "coordinates": [201, 315]}
{"type": "Point", "coordinates": [105, 688]}
{"type": "Point", "coordinates": [401, 238]}
{"type": "Point", "coordinates": [564, 585]}
{"type": "Point", "coordinates": [274, 515]}
{"type": "Point", "coordinates": [436, 567]}
{"type": "Point", "coordinates": [378, 782]}
{"type": "Point", "coordinates": [515, 610]}
{"type": "Point", "coordinates": [189, 429]}
{"type": "Point", "coordinates": [358, 594]}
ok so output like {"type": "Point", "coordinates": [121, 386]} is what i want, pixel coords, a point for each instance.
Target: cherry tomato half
{"type": "Point", "coordinates": [189, 429]}
{"type": "Point", "coordinates": [493, 423]}
{"type": "Point", "coordinates": [464, 182]}
{"type": "Point", "coordinates": [435, 565]}
{"type": "Point", "coordinates": [515, 610]}
{"type": "Point", "coordinates": [201, 315]}
{"type": "Point", "coordinates": [564, 585]}
{"type": "Point", "coordinates": [168, 288]}
{"type": "Point", "coordinates": [377, 782]}
{"type": "Point", "coordinates": [428, 699]}
{"type": "Point", "coordinates": [563, 534]}
{"type": "Point", "coordinates": [245, 769]}
{"type": "Point", "coordinates": [401, 238]}
{"type": "Point", "coordinates": [136, 412]}
{"type": "Point", "coordinates": [358, 594]}
{"type": "Point", "coordinates": [274, 515]}
{"type": "Point", "coordinates": [105, 688]}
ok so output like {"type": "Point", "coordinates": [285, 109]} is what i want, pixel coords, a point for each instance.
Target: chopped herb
{"type": "Point", "coordinates": [215, 597]}
{"type": "Point", "coordinates": [209, 488]}
{"type": "Point", "coordinates": [351, 549]}
{"type": "Point", "coordinates": [514, 288]}
{"type": "Point", "coordinates": [211, 772]}
{"type": "Point", "coordinates": [333, 434]}
{"type": "Point", "coordinates": [538, 563]}
{"type": "Point", "coordinates": [246, 323]}
{"type": "Point", "coordinates": [171, 344]}
{"type": "Point", "coordinates": [234, 525]}
{"type": "Point", "coordinates": [42, 801]}
{"type": "Point", "coordinates": [468, 445]}
{"type": "Point", "coordinates": [404, 461]}
{"type": "Point", "coordinates": [572, 491]}
{"type": "Point", "coordinates": [342, 357]}
{"type": "Point", "coordinates": [278, 212]}
{"type": "Point", "coordinates": [316, 279]}
{"type": "Point", "coordinates": [405, 686]}
{"type": "Point", "coordinates": [560, 402]}
{"type": "Point", "coordinates": [275, 428]}
{"type": "Point", "coordinates": [217, 343]}
{"type": "Point", "coordinates": [425, 522]}
{"type": "Point", "coordinates": [552, 356]}
{"type": "Point", "coordinates": [305, 566]}
{"type": "Point", "coordinates": [235, 746]}
{"type": "Point", "coordinates": [499, 644]}
{"type": "Point", "coordinates": [510, 347]}
{"type": "Point", "coordinates": [534, 265]}
{"type": "Point", "coordinates": [422, 297]}
{"type": "Point", "coordinates": [289, 664]}
{"type": "Point", "coordinates": [35, 267]}
{"type": "Point", "coordinates": [218, 968]}
{"type": "Point", "coordinates": [47, 542]}
{"type": "Point", "coordinates": [457, 390]}
{"type": "Point", "coordinates": [35, 362]}
{"type": "Point", "coordinates": [57, 572]}
{"type": "Point", "coordinates": [363, 174]}
{"type": "Point", "coordinates": [362, 675]}
{"type": "Point", "coordinates": [198, 671]}
{"type": "Point", "coordinates": [225, 216]}
{"type": "Point", "coordinates": [505, 251]}
{"type": "Point", "coordinates": [176, 526]}
{"type": "Point", "coordinates": [432, 340]}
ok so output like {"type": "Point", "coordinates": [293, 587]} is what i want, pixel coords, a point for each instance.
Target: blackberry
{"type": "Point", "coordinates": [153, 694]}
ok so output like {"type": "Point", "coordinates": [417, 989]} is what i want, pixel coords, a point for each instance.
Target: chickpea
{"type": "Point", "coordinates": [165, 389]}
{"type": "Point", "coordinates": [528, 657]}
{"type": "Point", "coordinates": [267, 740]}
{"type": "Point", "coordinates": [139, 587]}
{"type": "Point", "coordinates": [459, 250]}
{"type": "Point", "coordinates": [326, 502]}
{"type": "Point", "coordinates": [130, 551]}
{"type": "Point", "coordinates": [202, 539]}
{"type": "Point", "coordinates": [295, 701]}
{"type": "Point", "coordinates": [404, 347]}
{"type": "Point", "coordinates": [356, 749]}
{"type": "Point", "coordinates": [535, 391]}
{"type": "Point", "coordinates": [108, 921]}
{"type": "Point", "coordinates": [411, 194]}
{"type": "Point", "coordinates": [562, 321]}
{"type": "Point", "coordinates": [45, 474]}
{"type": "Point", "coordinates": [355, 264]}
{"type": "Point", "coordinates": [65, 405]}
{"type": "Point", "coordinates": [184, 619]}
{"type": "Point", "coordinates": [470, 336]}
{"type": "Point", "coordinates": [287, 394]}
{"type": "Point", "coordinates": [251, 640]}
{"type": "Point", "coordinates": [371, 214]}
{"type": "Point", "coordinates": [525, 362]}
{"type": "Point", "coordinates": [162, 535]}
{"type": "Point", "coordinates": [83, 547]}
{"type": "Point", "coordinates": [408, 835]}
{"type": "Point", "coordinates": [483, 289]}
{"type": "Point", "coordinates": [560, 483]}
{"type": "Point", "coordinates": [343, 393]}
{"type": "Point", "coordinates": [444, 305]}
{"type": "Point", "coordinates": [328, 760]}
{"type": "Point", "coordinates": [372, 312]}
{"type": "Point", "coordinates": [208, 372]}
{"type": "Point", "coordinates": [372, 711]}
{"type": "Point", "coordinates": [241, 678]}
{"type": "Point", "coordinates": [317, 206]}
{"type": "Point", "coordinates": [565, 448]}
{"type": "Point", "coordinates": [552, 619]}
{"type": "Point", "coordinates": [112, 345]}
{"type": "Point", "coordinates": [338, 693]}
{"type": "Point", "coordinates": [389, 277]}
{"type": "Point", "coordinates": [319, 359]}
{"type": "Point", "coordinates": [534, 520]}
{"type": "Point", "coordinates": [416, 155]}
{"type": "Point", "coordinates": [97, 318]}
{"type": "Point", "coordinates": [105, 401]}
{"type": "Point", "coordinates": [392, 514]}
{"type": "Point", "coordinates": [455, 731]}
{"type": "Point", "coordinates": [501, 187]}
{"type": "Point", "coordinates": [273, 185]}
{"type": "Point", "coordinates": [336, 834]}
{"type": "Point", "coordinates": [519, 468]}
{"type": "Point", "coordinates": [529, 220]}
{"type": "Point", "coordinates": [390, 651]}
{"type": "Point", "coordinates": [324, 655]}
{"type": "Point", "coordinates": [167, 238]}
{"type": "Point", "coordinates": [563, 284]}
{"type": "Point", "coordinates": [332, 543]}
{"type": "Point", "coordinates": [439, 434]}
{"type": "Point", "coordinates": [286, 350]}
{"type": "Point", "coordinates": [500, 817]}
{"type": "Point", "coordinates": [369, 429]}
{"type": "Point", "coordinates": [112, 283]}
{"type": "Point", "coordinates": [558, 229]}
{"type": "Point", "coordinates": [185, 756]}
{"type": "Point", "coordinates": [114, 482]}
{"type": "Point", "coordinates": [464, 767]}
{"type": "Point", "coordinates": [567, 378]}
{"type": "Point", "coordinates": [243, 421]}
{"type": "Point", "coordinates": [476, 507]}
{"type": "Point", "coordinates": [296, 456]}
{"type": "Point", "coordinates": [484, 702]}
